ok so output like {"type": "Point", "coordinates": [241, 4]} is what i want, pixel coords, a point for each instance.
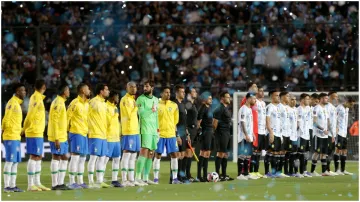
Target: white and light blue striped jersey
{"type": "Point", "coordinates": [245, 115]}
{"type": "Point", "coordinates": [284, 120]}
{"type": "Point", "coordinates": [293, 123]}
{"type": "Point", "coordinates": [342, 120]}
{"type": "Point", "coordinates": [304, 114]}
{"type": "Point", "coordinates": [273, 112]}
{"type": "Point", "coordinates": [261, 109]}
{"type": "Point", "coordinates": [322, 121]}
{"type": "Point", "coordinates": [331, 111]}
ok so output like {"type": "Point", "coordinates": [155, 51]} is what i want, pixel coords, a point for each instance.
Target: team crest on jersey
{"type": "Point", "coordinates": [9, 107]}
{"type": "Point", "coordinates": [242, 116]}
{"type": "Point", "coordinates": [95, 149]}
{"type": "Point", "coordinates": [290, 146]}
{"type": "Point", "coordinates": [339, 144]}
{"type": "Point", "coordinates": [55, 107]}
{"type": "Point", "coordinates": [78, 148]}
{"type": "Point", "coordinates": [318, 149]}
{"type": "Point", "coordinates": [170, 109]}
{"type": "Point", "coordinates": [34, 104]}
{"type": "Point", "coordinates": [301, 147]}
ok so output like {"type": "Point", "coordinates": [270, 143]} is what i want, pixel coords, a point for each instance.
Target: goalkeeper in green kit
{"type": "Point", "coordinates": [149, 131]}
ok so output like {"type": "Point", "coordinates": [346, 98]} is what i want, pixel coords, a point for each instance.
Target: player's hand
{"type": "Point", "coordinates": [326, 132]}
{"type": "Point", "coordinates": [333, 139]}
{"type": "Point", "coordinates": [247, 138]}
{"type": "Point", "coordinates": [57, 144]}
{"type": "Point", "coordinates": [271, 137]}
{"type": "Point", "coordinates": [22, 133]}
{"type": "Point", "coordinates": [254, 138]}
{"type": "Point", "coordinates": [189, 140]}
{"type": "Point", "coordinates": [179, 141]}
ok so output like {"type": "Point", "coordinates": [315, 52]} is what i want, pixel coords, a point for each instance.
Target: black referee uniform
{"type": "Point", "coordinates": [181, 132]}
{"type": "Point", "coordinates": [191, 122]}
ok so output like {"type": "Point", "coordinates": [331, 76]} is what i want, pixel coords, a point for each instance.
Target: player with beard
{"type": "Point", "coordinates": [331, 111]}
{"type": "Point", "coordinates": [294, 138]}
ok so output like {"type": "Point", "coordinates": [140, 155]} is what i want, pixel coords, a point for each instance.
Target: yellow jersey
{"type": "Point", "coordinates": [11, 123]}
{"type": "Point", "coordinates": [97, 118]}
{"type": "Point", "coordinates": [57, 127]}
{"type": "Point", "coordinates": [113, 127]}
{"type": "Point", "coordinates": [128, 115]}
{"type": "Point", "coordinates": [34, 124]}
{"type": "Point", "coordinates": [168, 118]}
{"type": "Point", "coordinates": [77, 116]}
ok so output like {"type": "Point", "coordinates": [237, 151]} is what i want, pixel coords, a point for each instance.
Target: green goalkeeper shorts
{"type": "Point", "coordinates": [149, 141]}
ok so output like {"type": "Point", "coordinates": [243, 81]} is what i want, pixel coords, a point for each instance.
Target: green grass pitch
{"type": "Point", "coordinates": [315, 188]}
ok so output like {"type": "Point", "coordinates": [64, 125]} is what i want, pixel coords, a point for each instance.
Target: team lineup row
{"type": "Point", "coordinates": [288, 133]}
{"type": "Point", "coordinates": [146, 126]}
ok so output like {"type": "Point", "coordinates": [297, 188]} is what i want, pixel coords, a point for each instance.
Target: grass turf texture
{"type": "Point", "coordinates": [315, 188]}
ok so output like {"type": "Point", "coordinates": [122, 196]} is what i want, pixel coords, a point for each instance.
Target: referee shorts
{"type": "Point", "coordinates": [206, 138]}
{"type": "Point", "coordinates": [223, 141]}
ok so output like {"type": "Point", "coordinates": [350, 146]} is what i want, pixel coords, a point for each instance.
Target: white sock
{"type": "Point", "coordinates": [81, 169]}
{"type": "Point", "coordinates": [156, 168]}
{"type": "Point", "coordinates": [91, 168]}
{"type": "Point", "coordinates": [54, 168]}
{"type": "Point", "coordinates": [73, 167]}
{"type": "Point", "coordinates": [37, 172]}
{"type": "Point", "coordinates": [13, 175]}
{"type": "Point", "coordinates": [62, 171]}
{"type": "Point", "coordinates": [125, 166]}
{"type": "Point", "coordinates": [31, 172]}
{"type": "Point", "coordinates": [105, 163]}
{"type": "Point", "coordinates": [100, 169]}
{"type": "Point", "coordinates": [174, 167]}
{"type": "Point", "coordinates": [115, 168]}
{"type": "Point", "coordinates": [132, 162]}
{"type": "Point", "coordinates": [7, 174]}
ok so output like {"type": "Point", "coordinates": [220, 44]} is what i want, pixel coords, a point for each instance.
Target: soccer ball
{"type": "Point", "coordinates": [213, 177]}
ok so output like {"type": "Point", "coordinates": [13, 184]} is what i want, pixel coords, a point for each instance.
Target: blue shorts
{"type": "Point", "coordinates": [170, 144]}
{"type": "Point", "coordinates": [78, 144]}
{"type": "Point", "coordinates": [35, 145]}
{"type": "Point", "coordinates": [245, 148]}
{"type": "Point", "coordinates": [130, 143]}
{"type": "Point", "coordinates": [113, 149]}
{"type": "Point", "coordinates": [97, 147]}
{"type": "Point", "coordinates": [12, 151]}
{"type": "Point", "coordinates": [64, 148]}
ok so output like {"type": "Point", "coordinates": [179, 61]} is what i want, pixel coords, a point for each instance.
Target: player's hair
{"type": "Point", "coordinates": [271, 92]}
{"type": "Point", "coordinates": [164, 88]}
{"type": "Point", "coordinates": [80, 86]}
{"type": "Point", "coordinates": [248, 95]}
{"type": "Point", "coordinates": [322, 95]}
{"type": "Point", "coordinates": [303, 96]}
{"type": "Point", "coordinates": [113, 93]}
{"type": "Point", "coordinates": [331, 92]}
{"type": "Point", "coordinates": [315, 96]}
{"type": "Point", "coordinates": [260, 87]}
{"type": "Point", "coordinates": [178, 87]}
{"type": "Point", "coordinates": [222, 94]}
{"type": "Point", "coordinates": [99, 87]}
{"type": "Point", "coordinates": [350, 99]}
{"type": "Point", "coordinates": [62, 89]}
{"type": "Point", "coordinates": [250, 84]}
{"type": "Point", "coordinates": [150, 82]}
{"type": "Point", "coordinates": [16, 86]}
{"type": "Point", "coordinates": [283, 93]}
{"type": "Point", "coordinates": [39, 84]}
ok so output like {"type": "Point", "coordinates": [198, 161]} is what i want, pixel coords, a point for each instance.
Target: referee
{"type": "Point", "coordinates": [221, 123]}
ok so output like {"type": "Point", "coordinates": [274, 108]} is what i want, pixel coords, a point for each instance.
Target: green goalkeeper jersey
{"type": "Point", "coordinates": [148, 114]}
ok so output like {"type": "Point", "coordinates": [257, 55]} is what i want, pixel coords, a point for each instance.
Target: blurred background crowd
{"type": "Point", "coordinates": [212, 46]}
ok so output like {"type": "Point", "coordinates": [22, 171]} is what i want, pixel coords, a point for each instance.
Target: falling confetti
{"type": "Point", "coordinates": [218, 187]}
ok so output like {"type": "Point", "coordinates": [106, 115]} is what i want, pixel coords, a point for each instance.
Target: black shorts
{"type": "Point", "coordinates": [321, 145]}
{"type": "Point", "coordinates": [263, 142]}
{"type": "Point", "coordinates": [276, 146]}
{"type": "Point", "coordinates": [312, 139]}
{"type": "Point", "coordinates": [286, 144]}
{"type": "Point", "coordinates": [193, 133]}
{"type": "Point", "coordinates": [331, 146]}
{"type": "Point", "coordinates": [294, 148]}
{"type": "Point", "coordinates": [341, 142]}
{"type": "Point", "coordinates": [223, 141]}
{"type": "Point", "coordinates": [184, 144]}
{"type": "Point", "coordinates": [206, 139]}
{"type": "Point", "coordinates": [304, 145]}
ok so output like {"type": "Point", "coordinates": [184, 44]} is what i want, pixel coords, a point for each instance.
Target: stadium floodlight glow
{"type": "Point", "coordinates": [130, 67]}
{"type": "Point", "coordinates": [122, 72]}
{"type": "Point", "coordinates": [291, 13]}
{"type": "Point", "coordinates": [81, 8]}
{"type": "Point", "coordinates": [329, 56]}
{"type": "Point", "coordinates": [21, 5]}
{"type": "Point", "coordinates": [126, 46]}
{"type": "Point", "coordinates": [315, 63]}
{"type": "Point", "coordinates": [285, 8]}
{"type": "Point", "coordinates": [181, 72]}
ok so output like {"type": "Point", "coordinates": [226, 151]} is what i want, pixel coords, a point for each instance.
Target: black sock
{"type": "Point", "coordinates": [313, 165]}
{"type": "Point", "coordinates": [224, 166]}
{"type": "Point", "coordinates": [273, 164]}
{"type": "Point", "coordinates": [342, 159]}
{"type": "Point", "coordinates": [240, 164]}
{"type": "Point", "coordinates": [246, 166]}
{"type": "Point", "coordinates": [205, 167]}
{"type": "Point", "coordinates": [328, 161]}
{"type": "Point", "coordinates": [291, 163]}
{"type": "Point", "coordinates": [179, 168]}
{"type": "Point", "coordinates": [302, 163]}
{"type": "Point", "coordinates": [257, 165]}
{"type": "Point", "coordinates": [184, 165]}
{"type": "Point", "coordinates": [188, 167]}
{"type": "Point", "coordinates": [296, 159]}
{"type": "Point", "coordinates": [199, 166]}
{"type": "Point", "coordinates": [286, 163]}
{"type": "Point", "coordinates": [266, 163]}
{"type": "Point", "coordinates": [336, 161]}
{"type": "Point", "coordinates": [305, 163]}
{"type": "Point", "coordinates": [323, 165]}
{"type": "Point", "coordinates": [280, 163]}
{"type": "Point", "coordinates": [252, 163]}
{"type": "Point", "coordinates": [217, 164]}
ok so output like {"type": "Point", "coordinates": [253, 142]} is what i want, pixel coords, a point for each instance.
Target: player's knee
{"type": "Point", "coordinates": [344, 152]}
{"type": "Point", "coordinates": [315, 156]}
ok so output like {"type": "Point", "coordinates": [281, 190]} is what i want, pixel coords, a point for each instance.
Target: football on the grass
{"type": "Point", "coordinates": [213, 177]}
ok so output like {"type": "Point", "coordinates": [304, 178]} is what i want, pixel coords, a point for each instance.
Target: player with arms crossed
{"type": "Point", "coordinates": [34, 126]}
{"type": "Point", "coordinates": [245, 137]}
{"type": "Point", "coordinates": [321, 130]}
{"type": "Point", "coordinates": [58, 138]}
{"type": "Point", "coordinates": [147, 105]}
{"type": "Point", "coordinates": [342, 111]}
{"type": "Point", "coordinates": [221, 124]}
{"type": "Point", "coordinates": [77, 116]}
{"type": "Point", "coordinates": [113, 137]}
{"type": "Point", "coordinates": [130, 139]}
{"type": "Point", "coordinates": [304, 114]}
{"type": "Point", "coordinates": [168, 118]}
{"type": "Point", "coordinates": [273, 127]}
{"type": "Point", "coordinates": [11, 135]}
{"type": "Point", "coordinates": [205, 120]}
